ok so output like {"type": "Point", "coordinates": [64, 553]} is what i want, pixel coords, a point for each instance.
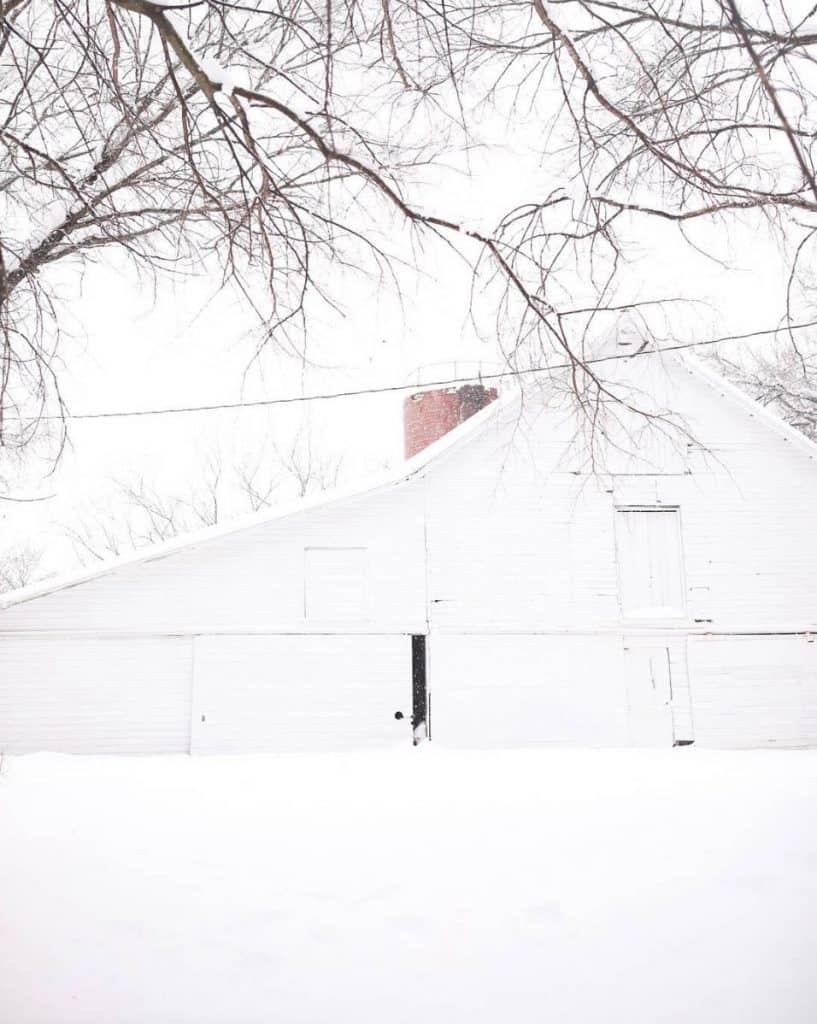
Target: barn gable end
{"type": "Point", "coordinates": [651, 599]}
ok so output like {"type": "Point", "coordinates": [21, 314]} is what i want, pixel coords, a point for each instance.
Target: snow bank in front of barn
{"type": "Point", "coordinates": [433, 885]}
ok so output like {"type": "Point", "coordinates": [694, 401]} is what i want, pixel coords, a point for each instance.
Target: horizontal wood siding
{"type": "Point", "coordinates": [527, 690]}
{"type": "Point", "coordinates": [754, 691]}
{"type": "Point", "coordinates": [521, 540]}
{"type": "Point", "coordinates": [254, 580]}
{"type": "Point", "coordinates": [95, 695]}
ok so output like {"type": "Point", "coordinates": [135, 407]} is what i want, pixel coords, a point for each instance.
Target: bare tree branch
{"type": "Point", "coordinates": [144, 513]}
{"type": "Point", "coordinates": [265, 145]}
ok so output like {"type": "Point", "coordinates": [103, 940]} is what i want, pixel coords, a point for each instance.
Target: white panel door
{"type": "Point", "coordinates": [300, 692]}
{"type": "Point", "coordinates": [92, 695]}
{"type": "Point", "coordinates": [649, 696]}
{"type": "Point", "coordinates": [513, 690]}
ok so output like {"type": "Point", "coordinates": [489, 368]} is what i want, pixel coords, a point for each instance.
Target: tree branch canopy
{"type": "Point", "coordinates": [261, 141]}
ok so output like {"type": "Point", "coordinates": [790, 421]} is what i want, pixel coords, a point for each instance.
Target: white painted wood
{"type": "Point", "coordinates": [511, 690]}
{"type": "Point", "coordinates": [336, 585]}
{"type": "Point", "coordinates": [95, 695]}
{"type": "Point", "coordinates": [253, 580]}
{"type": "Point", "coordinates": [527, 690]}
{"type": "Point", "coordinates": [517, 544]}
{"type": "Point", "coordinates": [299, 693]}
{"type": "Point", "coordinates": [648, 687]}
{"type": "Point", "coordinates": [650, 562]}
{"type": "Point", "coordinates": [683, 722]}
{"type": "Point", "coordinates": [754, 691]}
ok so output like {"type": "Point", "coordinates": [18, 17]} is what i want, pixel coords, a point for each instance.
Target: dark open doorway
{"type": "Point", "coordinates": [419, 691]}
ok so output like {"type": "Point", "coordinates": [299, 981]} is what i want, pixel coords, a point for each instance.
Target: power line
{"type": "Point", "coordinates": [394, 388]}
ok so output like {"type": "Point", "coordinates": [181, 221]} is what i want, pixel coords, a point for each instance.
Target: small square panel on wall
{"type": "Point", "coordinates": [336, 584]}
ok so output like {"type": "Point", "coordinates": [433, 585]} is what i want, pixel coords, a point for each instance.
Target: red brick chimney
{"type": "Point", "coordinates": [429, 415]}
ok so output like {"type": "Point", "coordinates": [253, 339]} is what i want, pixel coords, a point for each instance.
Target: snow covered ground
{"type": "Point", "coordinates": [411, 885]}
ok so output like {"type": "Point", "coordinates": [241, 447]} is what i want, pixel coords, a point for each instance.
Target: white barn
{"type": "Point", "coordinates": [496, 591]}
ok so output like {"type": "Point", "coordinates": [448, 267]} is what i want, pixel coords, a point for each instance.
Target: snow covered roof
{"type": "Point", "coordinates": [454, 439]}
{"type": "Point", "coordinates": [727, 390]}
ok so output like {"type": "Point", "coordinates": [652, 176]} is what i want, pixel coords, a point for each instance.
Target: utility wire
{"type": "Point", "coordinates": [498, 375]}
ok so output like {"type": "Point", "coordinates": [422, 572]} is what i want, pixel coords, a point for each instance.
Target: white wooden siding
{"type": "Point", "coordinates": [514, 549]}
{"type": "Point", "coordinates": [520, 539]}
{"type": "Point", "coordinates": [282, 693]}
{"type": "Point", "coordinates": [754, 691]}
{"type": "Point", "coordinates": [750, 546]}
{"type": "Point", "coordinates": [336, 585]}
{"type": "Point", "coordinates": [512, 690]}
{"type": "Point", "coordinates": [253, 581]}
{"type": "Point", "coordinates": [95, 695]}
{"type": "Point", "coordinates": [495, 691]}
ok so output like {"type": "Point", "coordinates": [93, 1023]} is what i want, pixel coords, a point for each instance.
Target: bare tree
{"type": "Point", "coordinates": [18, 567]}
{"type": "Point", "coordinates": [258, 483]}
{"type": "Point", "coordinates": [98, 537]}
{"type": "Point", "coordinates": [311, 470]}
{"type": "Point", "coordinates": [144, 514]}
{"type": "Point", "coordinates": [267, 139]}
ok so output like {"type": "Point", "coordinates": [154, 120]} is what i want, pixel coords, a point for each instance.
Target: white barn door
{"type": "Point", "coordinates": [300, 692]}
{"type": "Point", "coordinates": [649, 696]}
